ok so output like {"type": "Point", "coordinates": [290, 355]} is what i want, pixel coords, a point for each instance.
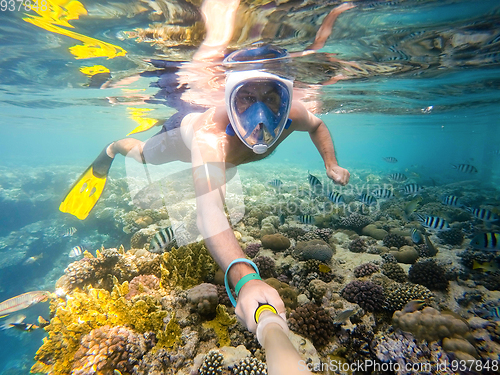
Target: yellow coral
{"type": "Point", "coordinates": [221, 324]}
{"type": "Point", "coordinates": [83, 311]}
{"type": "Point", "coordinates": [187, 266]}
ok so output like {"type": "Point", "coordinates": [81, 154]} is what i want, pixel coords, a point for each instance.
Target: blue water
{"type": "Point", "coordinates": [426, 92]}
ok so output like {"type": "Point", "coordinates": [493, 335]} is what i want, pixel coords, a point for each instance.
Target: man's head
{"type": "Point", "coordinates": [258, 103]}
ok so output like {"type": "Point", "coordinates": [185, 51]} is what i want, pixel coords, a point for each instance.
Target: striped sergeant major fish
{"type": "Point", "coordinates": [390, 159]}
{"type": "Point", "coordinates": [275, 183]}
{"type": "Point", "coordinates": [483, 214]}
{"type": "Point", "coordinates": [69, 232]}
{"type": "Point", "coordinates": [313, 181]}
{"type": "Point", "coordinates": [76, 252]}
{"type": "Point", "coordinates": [383, 193]}
{"type": "Point", "coordinates": [367, 199]}
{"type": "Point", "coordinates": [161, 240]}
{"type": "Point", "coordinates": [433, 222]}
{"type": "Point", "coordinates": [22, 301]}
{"type": "Point", "coordinates": [489, 241]}
{"type": "Point", "coordinates": [411, 188]}
{"type": "Point", "coordinates": [336, 197]}
{"type": "Point", "coordinates": [465, 168]}
{"type": "Point", "coordinates": [451, 200]}
{"type": "Point", "coordinates": [398, 177]}
{"type": "Point", "coordinates": [306, 219]}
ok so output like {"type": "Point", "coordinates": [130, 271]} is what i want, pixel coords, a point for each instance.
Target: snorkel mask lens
{"type": "Point", "coordinates": [258, 106]}
{"type": "Point", "coordinates": [258, 98]}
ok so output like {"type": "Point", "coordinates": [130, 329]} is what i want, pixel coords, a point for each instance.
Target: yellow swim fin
{"type": "Point", "coordinates": [87, 190]}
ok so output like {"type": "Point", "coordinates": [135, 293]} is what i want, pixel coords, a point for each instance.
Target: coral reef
{"type": "Point", "coordinates": [250, 366]}
{"type": "Point", "coordinates": [187, 266]}
{"type": "Point", "coordinates": [395, 272]}
{"type": "Point", "coordinates": [398, 295]}
{"type": "Point", "coordinates": [453, 236]}
{"type": "Point", "coordinates": [252, 249]}
{"type": "Point", "coordinates": [294, 232]}
{"type": "Point", "coordinates": [107, 348]}
{"type": "Point", "coordinates": [203, 299]}
{"type": "Point", "coordinates": [358, 246]}
{"type": "Point", "coordinates": [366, 294]}
{"type": "Point", "coordinates": [406, 254]}
{"type": "Point", "coordinates": [431, 325]}
{"type": "Point", "coordinates": [275, 242]}
{"type": "Point", "coordinates": [266, 266]}
{"type": "Point", "coordinates": [147, 284]}
{"type": "Point", "coordinates": [287, 293]}
{"type": "Point", "coordinates": [395, 240]}
{"type": "Point", "coordinates": [314, 249]}
{"type": "Point", "coordinates": [365, 269]}
{"type": "Point", "coordinates": [324, 233]}
{"type": "Point", "coordinates": [354, 221]}
{"type": "Point", "coordinates": [91, 309]}
{"type": "Point", "coordinates": [429, 274]}
{"type": "Point", "coordinates": [212, 363]}
{"type": "Point", "coordinates": [313, 322]}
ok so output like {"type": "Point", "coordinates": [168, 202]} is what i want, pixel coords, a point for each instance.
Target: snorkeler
{"type": "Point", "coordinates": [259, 113]}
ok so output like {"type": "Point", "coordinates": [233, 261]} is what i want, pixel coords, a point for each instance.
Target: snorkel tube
{"type": "Point", "coordinates": [272, 333]}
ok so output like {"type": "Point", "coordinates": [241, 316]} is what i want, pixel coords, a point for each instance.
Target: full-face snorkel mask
{"type": "Point", "coordinates": [258, 103]}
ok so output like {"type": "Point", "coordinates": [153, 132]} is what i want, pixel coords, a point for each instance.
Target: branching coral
{"type": "Point", "coordinates": [84, 311]}
{"type": "Point", "coordinates": [187, 266]}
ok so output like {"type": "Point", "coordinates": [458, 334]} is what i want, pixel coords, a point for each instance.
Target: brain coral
{"type": "Point", "coordinates": [430, 325]}
{"type": "Point", "coordinates": [105, 349]}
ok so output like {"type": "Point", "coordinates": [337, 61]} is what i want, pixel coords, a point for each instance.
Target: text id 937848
{"type": "Point", "coordinates": [24, 5]}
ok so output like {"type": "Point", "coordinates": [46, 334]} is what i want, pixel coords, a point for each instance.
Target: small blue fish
{"type": "Point", "coordinates": [411, 188]}
{"type": "Point", "coordinates": [275, 183]}
{"type": "Point", "coordinates": [336, 197]}
{"type": "Point", "coordinates": [306, 219]}
{"type": "Point", "coordinates": [465, 168]}
{"type": "Point", "coordinates": [483, 214]}
{"type": "Point", "coordinates": [383, 193]}
{"type": "Point", "coordinates": [398, 177]}
{"type": "Point", "coordinates": [313, 181]}
{"type": "Point", "coordinates": [369, 200]}
{"type": "Point", "coordinates": [390, 159]}
{"type": "Point", "coordinates": [433, 222]}
{"type": "Point", "coordinates": [489, 241]}
{"type": "Point", "coordinates": [451, 200]}
{"type": "Point", "coordinates": [416, 236]}
{"type": "Point", "coordinates": [69, 232]}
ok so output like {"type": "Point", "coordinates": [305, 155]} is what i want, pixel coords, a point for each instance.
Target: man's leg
{"type": "Point", "coordinates": [129, 147]}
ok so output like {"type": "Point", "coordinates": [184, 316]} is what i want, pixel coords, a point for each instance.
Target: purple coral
{"type": "Point", "coordinates": [313, 322]}
{"type": "Point", "coordinates": [252, 249]}
{"type": "Point", "coordinates": [266, 266]}
{"type": "Point", "coordinates": [365, 269]}
{"type": "Point", "coordinates": [366, 294]}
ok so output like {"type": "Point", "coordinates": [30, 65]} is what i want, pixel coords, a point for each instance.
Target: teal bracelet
{"type": "Point", "coordinates": [244, 280]}
{"type": "Point", "coordinates": [228, 291]}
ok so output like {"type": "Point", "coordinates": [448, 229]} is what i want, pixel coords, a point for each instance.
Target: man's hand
{"type": "Point", "coordinates": [338, 174]}
{"type": "Point", "coordinates": [253, 293]}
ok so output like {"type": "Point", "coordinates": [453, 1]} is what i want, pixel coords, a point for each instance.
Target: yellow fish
{"type": "Point", "coordinates": [22, 301]}
{"type": "Point", "coordinates": [490, 266]}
